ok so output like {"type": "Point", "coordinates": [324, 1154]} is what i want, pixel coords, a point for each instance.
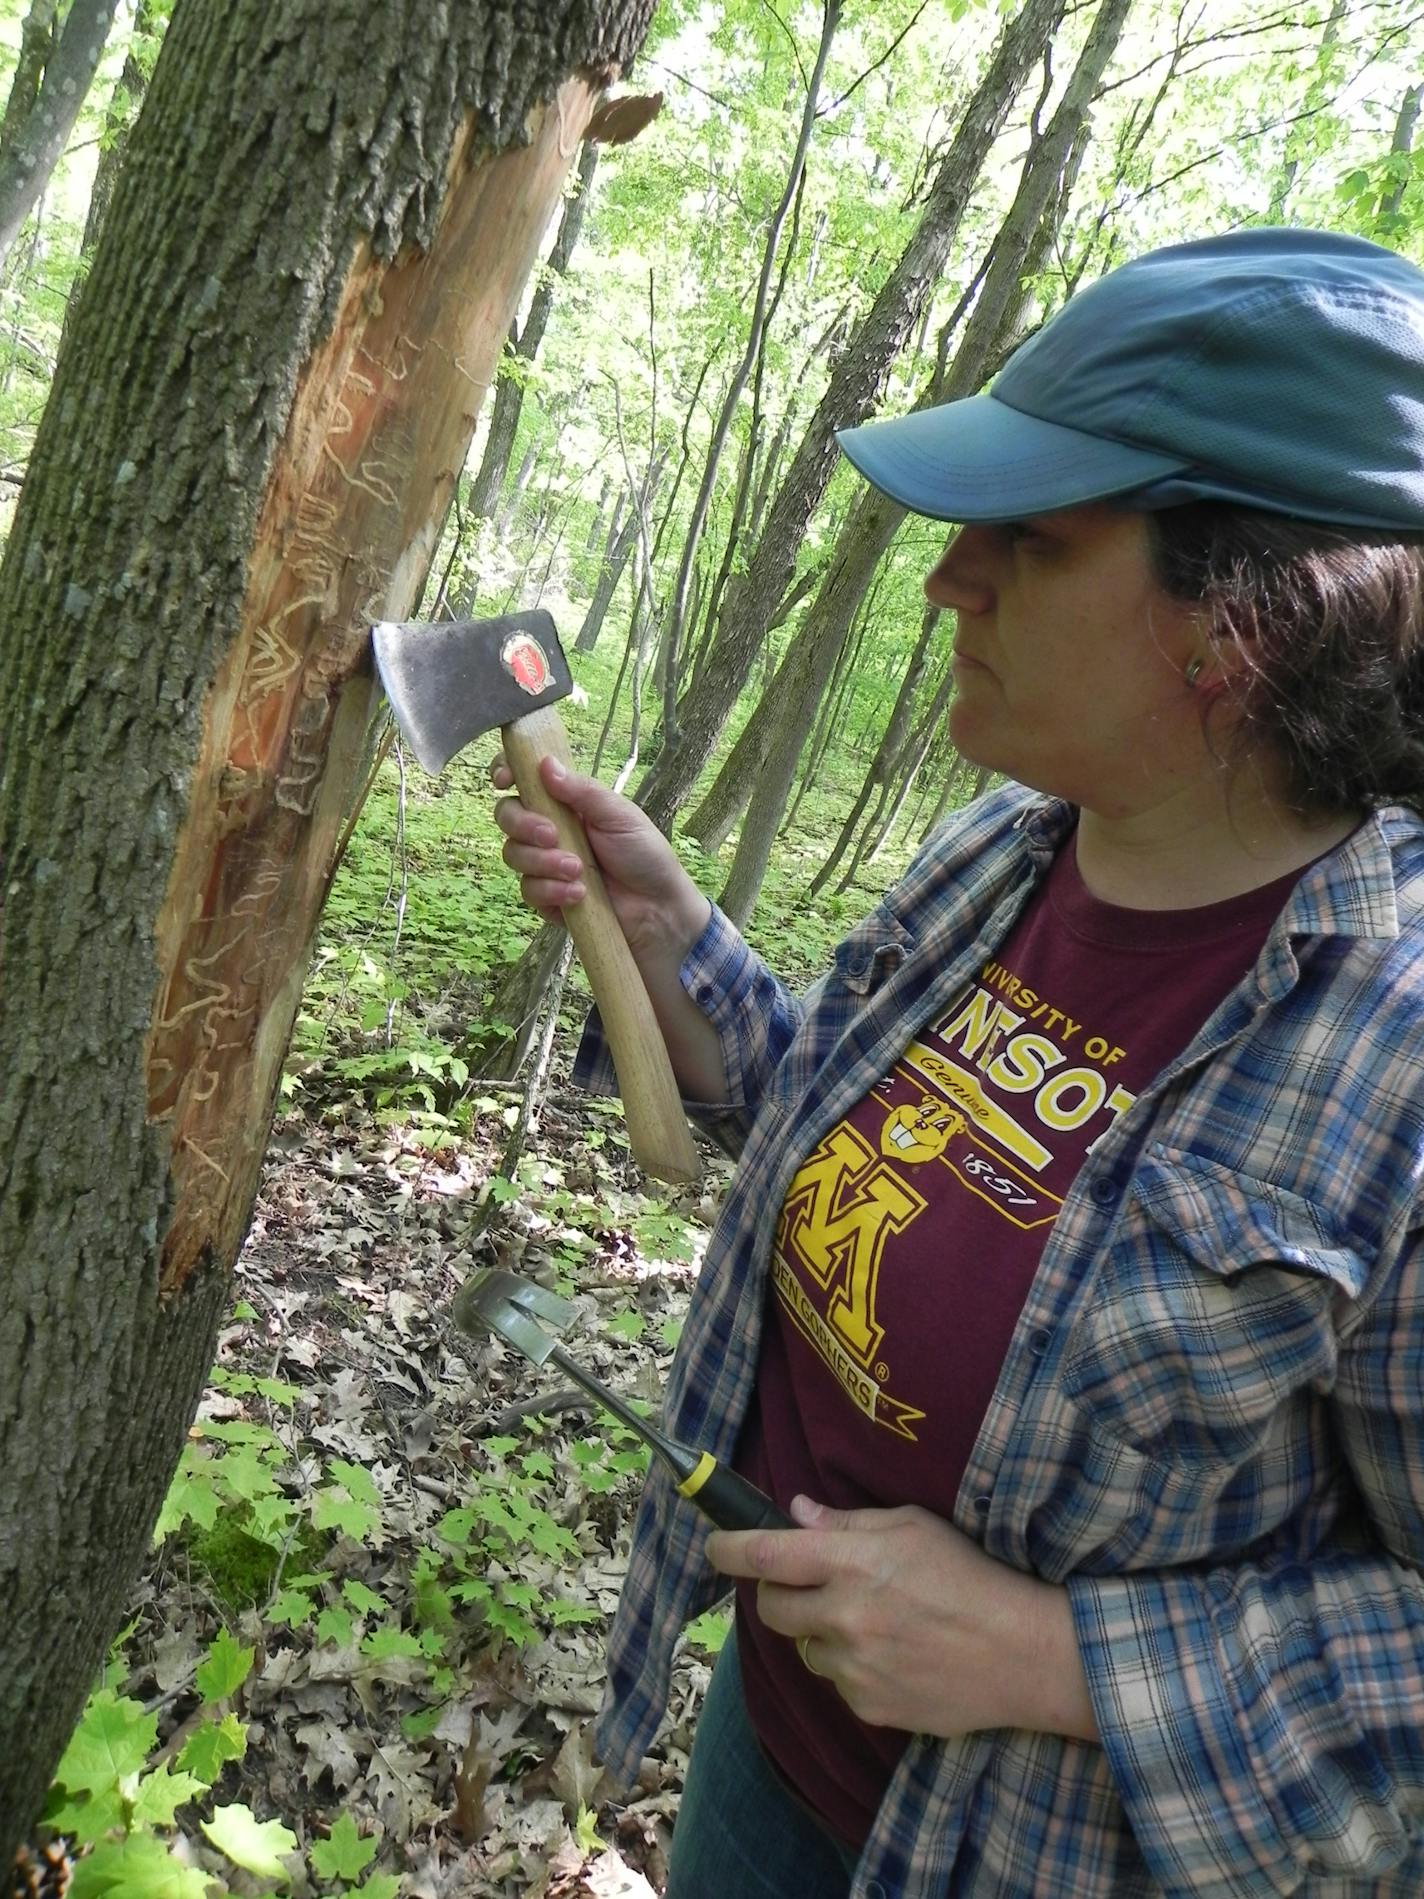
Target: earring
{"type": "Point", "coordinates": [1193, 671]}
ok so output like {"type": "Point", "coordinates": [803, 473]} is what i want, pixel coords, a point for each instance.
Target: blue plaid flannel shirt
{"type": "Point", "coordinates": [1208, 1423]}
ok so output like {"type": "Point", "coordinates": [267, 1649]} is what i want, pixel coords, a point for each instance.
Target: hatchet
{"type": "Point", "coordinates": [449, 682]}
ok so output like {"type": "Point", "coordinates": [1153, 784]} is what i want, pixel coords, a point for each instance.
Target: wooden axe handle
{"type": "Point", "coordinates": [657, 1127]}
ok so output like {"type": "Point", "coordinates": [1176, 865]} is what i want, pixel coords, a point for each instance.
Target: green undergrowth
{"type": "Point", "coordinates": [291, 1545]}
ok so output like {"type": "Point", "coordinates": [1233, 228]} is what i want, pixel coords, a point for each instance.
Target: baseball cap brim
{"type": "Point", "coordinates": [979, 460]}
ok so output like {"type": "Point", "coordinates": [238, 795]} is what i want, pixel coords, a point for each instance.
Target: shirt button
{"type": "Point", "coordinates": [1038, 1343]}
{"type": "Point", "coordinates": [874, 1890]}
{"type": "Point", "coordinates": [1104, 1190]}
{"type": "Point", "coordinates": [981, 1504]}
{"type": "Point", "coordinates": [706, 995]}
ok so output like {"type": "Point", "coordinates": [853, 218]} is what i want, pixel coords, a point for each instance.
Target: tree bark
{"type": "Point", "coordinates": [854, 388]}
{"type": "Point", "coordinates": [1400, 144]}
{"type": "Point", "coordinates": [811, 658]}
{"type": "Point", "coordinates": [36, 44]}
{"type": "Point", "coordinates": [751, 354]}
{"type": "Point", "coordinates": [524, 345]}
{"type": "Point", "coordinates": [119, 121]}
{"type": "Point", "coordinates": [611, 572]}
{"type": "Point", "coordinates": [324, 223]}
{"type": "Point", "coordinates": [28, 160]}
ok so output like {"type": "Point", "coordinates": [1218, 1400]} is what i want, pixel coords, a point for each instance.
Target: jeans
{"type": "Point", "coordinates": [741, 1833]}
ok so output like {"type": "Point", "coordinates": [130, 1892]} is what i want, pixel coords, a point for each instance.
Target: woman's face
{"type": "Point", "coordinates": [1069, 659]}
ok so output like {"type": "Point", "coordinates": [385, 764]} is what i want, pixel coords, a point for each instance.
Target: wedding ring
{"type": "Point", "coordinates": [803, 1644]}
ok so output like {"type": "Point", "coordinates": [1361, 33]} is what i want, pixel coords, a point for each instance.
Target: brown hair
{"type": "Point", "coordinates": [1330, 623]}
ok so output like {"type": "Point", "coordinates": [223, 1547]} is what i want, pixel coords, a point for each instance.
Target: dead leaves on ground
{"type": "Point", "coordinates": [467, 1757]}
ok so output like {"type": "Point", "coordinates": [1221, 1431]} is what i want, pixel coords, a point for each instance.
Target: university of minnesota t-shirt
{"type": "Point", "coordinates": [909, 1238]}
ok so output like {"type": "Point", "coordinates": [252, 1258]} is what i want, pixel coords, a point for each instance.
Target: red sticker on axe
{"type": "Point", "coordinates": [524, 659]}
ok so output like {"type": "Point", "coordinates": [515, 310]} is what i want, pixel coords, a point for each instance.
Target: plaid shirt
{"type": "Point", "coordinates": [1207, 1422]}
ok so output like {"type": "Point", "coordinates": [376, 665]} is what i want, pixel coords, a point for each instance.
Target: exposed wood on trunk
{"type": "Point", "coordinates": [344, 538]}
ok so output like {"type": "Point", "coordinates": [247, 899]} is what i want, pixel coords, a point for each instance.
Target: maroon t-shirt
{"type": "Point", "coordinates": [908, 1241]}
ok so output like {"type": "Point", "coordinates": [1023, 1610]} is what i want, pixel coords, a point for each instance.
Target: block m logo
{"type": "Point", "coordinates": [843, 1206]}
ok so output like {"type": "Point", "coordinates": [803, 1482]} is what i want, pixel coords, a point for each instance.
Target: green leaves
{"type": "Point", "coordinates": [161, 1793]}
{"type": "Point", "coordinates": [344, 1854]}
{"type": "Point", "coordinates": [256, 1846]}
{"type": "Point", "coordinates": [211, 1745]}
{"type": "Point", "coordinates": [112, 1740]}
{"type": "Point", "coordinates": [351, 1504]}
{"type": "Point", "coordinates": [225, 1669]}
{"type": "Point", "coordinates": [139, 1867]}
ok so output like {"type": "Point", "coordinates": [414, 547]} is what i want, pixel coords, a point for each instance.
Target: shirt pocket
{"type": "Point", "coordinates": [872, 952]}
{"type": "Point", "coordinates": [1216, 1313]}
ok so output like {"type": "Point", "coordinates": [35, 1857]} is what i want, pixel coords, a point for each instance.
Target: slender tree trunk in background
{"type": "Point", "coordinates": [246, 458]}
{"type": "Point", "coordinates": [509, 390]}
{"type": "Point", "coordinates": [520, 483]}
{"type": "Point", "coordinates": [897, 780]}
{"type": "Point", "coordinates": [889, 745]}
{"type": "Point", "coordinates": [614, 563]}
{"type": "Point", "coordinates": [854, 388]}
{"type": "Point", "coordinates": [1403, 141]}
{"type": "Point", "coordinates": [811, 658]}
{"type": "Point", "coordinates": [677, 605]}
{"type": "Point", "coordinates": [27, 160]}
{"type": "Point", "coordinates": [120, 119]}
{"type": "Point", "coordinates": [833, 703]}
{"type": "Point", "coordinates": [959, 774]}
{"type": "Point", "coordinates": [600, 528]}
{"type": "Point", "coordinates": [36, 45]}
{"type": "Point", "coordinates": [785, 713]}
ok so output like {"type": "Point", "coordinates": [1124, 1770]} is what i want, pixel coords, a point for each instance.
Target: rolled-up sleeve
{"type": "Point", "coordinates": [755, 1017]}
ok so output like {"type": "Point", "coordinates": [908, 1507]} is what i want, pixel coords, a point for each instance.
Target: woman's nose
{"type": "Point", "coordinates": [960, 578]}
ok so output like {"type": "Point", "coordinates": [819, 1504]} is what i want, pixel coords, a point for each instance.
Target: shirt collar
{"type": "Point", "coordinates": [1348, 892]}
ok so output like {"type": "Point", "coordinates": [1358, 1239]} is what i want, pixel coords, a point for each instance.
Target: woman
{"type": "Point", "coordinates": [1067, 1291]}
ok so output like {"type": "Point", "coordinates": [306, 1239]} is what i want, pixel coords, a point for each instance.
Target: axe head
{"type": "Point", "coordinates": [450, 680]}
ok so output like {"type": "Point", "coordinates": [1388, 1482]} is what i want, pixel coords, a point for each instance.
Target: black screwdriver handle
{"type": "Point", "coordinates": [730, 1501]}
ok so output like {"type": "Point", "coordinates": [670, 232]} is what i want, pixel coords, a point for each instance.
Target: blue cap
{"type": "Point", "coordinates": [1281, 369]}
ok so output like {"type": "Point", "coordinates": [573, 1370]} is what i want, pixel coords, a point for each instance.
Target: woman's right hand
{"type": "Point", "coordinates": [660, 909]}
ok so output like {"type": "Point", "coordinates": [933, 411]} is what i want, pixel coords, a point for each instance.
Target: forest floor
{"type": "Point", "coordinates": [454, 1731]}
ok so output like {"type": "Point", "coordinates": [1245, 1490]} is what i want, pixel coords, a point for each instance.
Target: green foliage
{"type": "Point", "coordinates": [256, 1846]}
{"type": "Point", "coordinates": [708, 1632]}
{"type": "Point", "coordinates": [344, 1854]}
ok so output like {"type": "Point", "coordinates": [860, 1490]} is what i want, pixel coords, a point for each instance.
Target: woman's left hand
{"type": "Point", "coordinates": [914, 1624]}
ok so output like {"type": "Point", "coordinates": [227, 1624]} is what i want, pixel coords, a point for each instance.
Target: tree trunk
{"type": "Point", "coordinates": [812, 655]}
{"type": "Point", "coordinates": [36, 44]}
{"type": "Point", "coordinates": [1401, 143]}
{"type": "Point", "coordinates": [119, 121]}
{"type": "Point", "coordinates": [28, 160]}
{"type": "Point", "coordinates": [756, 335]}
{"type": "Point", "coordinates": [324, 223]}
{"type": "Point", "coordinates": [854, 387]}
{"type": "Point", "coordinates": [609, 576]}
{"type": "Point", "coordinates": [833, 704]}
{"type": "Point", "coordinates": [889, 745]}
{"type": "Point", "coordinates": [509, 390]}
{"type": "Point", "coordinates": [789, 708]}
{"type": "Point", "coordinates": [905, 763]}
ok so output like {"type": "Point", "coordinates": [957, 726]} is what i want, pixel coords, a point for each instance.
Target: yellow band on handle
{"type": "Point", "coordinates": [692, 1483]}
